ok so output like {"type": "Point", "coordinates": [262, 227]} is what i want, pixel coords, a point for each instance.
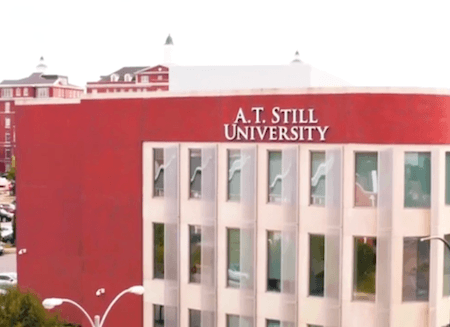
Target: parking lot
{"type": "Point", "coordinates": [8, 259]}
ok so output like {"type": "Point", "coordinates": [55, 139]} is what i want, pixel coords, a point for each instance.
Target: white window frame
{"type": "Point", "coordinates": [7, 93]}
{"type": "Point", "coordinates": [114, 78]}
{"type": "Point", "coordinates": [7, 151]}
{"type": "Point", "coordinates": [7, 137]}
{"type": "Point", "coordinates": [7, 122]}
{"type": "Point", "coordinates": [145, 79]}
{"type": "Point", "coordinates": [128, 77]}
{"type": "Point", "coordinates": [25, 92]}
{"type": "Point", "coordinates": [42, 92]}
{"type": "Point", "coordinates": [7, 107]}
{"type": "Point", "coordinates": [18, 92]}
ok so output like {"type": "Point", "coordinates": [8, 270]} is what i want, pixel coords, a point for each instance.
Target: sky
{"type": "Point", "coordinates": [366, 43]}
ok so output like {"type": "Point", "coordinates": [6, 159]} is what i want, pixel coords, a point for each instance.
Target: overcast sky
{"type": "Point", "coordinates": [367, 43]}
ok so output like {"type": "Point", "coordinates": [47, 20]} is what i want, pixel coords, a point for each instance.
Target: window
{"type": "Point", "coordinates": [7, 153]}
{"type": "Point", "coordinates": [195, 169]}
{"type": "Point", "coordinates": [158, 251]}
{"type": "Point", "coordinates": [25, 92]}
{"type": "Point", "coordinates": [234, 175]}
{"type": "Point", "coordinates": [417, 179]}
{"type": "Point", "coordinates": [195, 318]}
{"type": "Point", "coordinates": [273, 323]}
{"type": "Point", "coordinates": [7, 122]}
{"type": "Point", "coordinates": [234, 257]}
{"type": "Point", "coordinates": [273, 261]}
{"type": "Point", "coordinates": [7, 93]}
{"type": "Point", "coordinates": [7, 137]}
{"type": "Point", "coordinates": [366, 179]}
{"type": "Point", "coordinates": [42, 92]}
{"type": "Point", "coordinates": [7, 107]}
{"type": "Point", "coordinates": [416, 269]}
{"type": "Point", "coordinates": [316, 264]}
{"type": "Point", "coordinates": [238, 321]}
{"type": "Point", "coordinates": [18, 93]}
{"type": "Point", "coordinates": [160, 77]}
{"type": "Point", "coordinates": [275, 177]}
{"type": "Point", "coordinates": [144, 79]}
{"type": "Point", "coordinates": [447, 178]}
{"type": "Point", "coordinates": [158, 178]}
{"type": "Point", "coordinates": [195, 251]}
{"type": "Point", "coordinates": [318, 174]}
{"type": "Point", "coordinates": [114, 78]}
{"type": "Point", "coordinates": [364, 268]}
{"type": "Point", "coordinates": [127, 78]}
{"type": "Point", "coordinates": [446, 268]}
{"type": "Point", "coordinates": [158, 315]}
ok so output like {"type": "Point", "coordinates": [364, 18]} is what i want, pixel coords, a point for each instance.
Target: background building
{"type": "Point", "coordinates": [179, 78]}
{"type": "Point", "coordinates": [38, 85]}
{"type": "Point", "coordinates": [260, 207]}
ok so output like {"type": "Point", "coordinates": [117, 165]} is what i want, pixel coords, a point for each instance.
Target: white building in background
{"type": "Point", "coordinates": [178, 78]}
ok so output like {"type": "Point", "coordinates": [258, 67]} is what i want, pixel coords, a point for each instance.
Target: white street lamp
{"type": "Point", "coordinates": [50, 303]}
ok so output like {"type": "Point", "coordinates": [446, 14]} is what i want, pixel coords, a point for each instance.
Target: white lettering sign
{"type": "Point", "coordinates": [302, 126]}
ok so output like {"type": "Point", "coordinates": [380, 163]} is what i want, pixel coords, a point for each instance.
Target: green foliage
{"type": "Point", "coordinates": [24, 309]}
{"type": "Point", "coordinates": [11, 174]}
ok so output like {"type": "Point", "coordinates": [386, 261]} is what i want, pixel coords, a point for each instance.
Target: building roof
{"type": "Point", "coordinates": [122, 72]}
{"type": "Point", "coordinates": [35, 78]}
{"type": "Point", "coordinates": [169, 40]}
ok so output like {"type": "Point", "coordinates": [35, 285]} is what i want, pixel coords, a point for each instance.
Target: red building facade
{"type": "Point", "coordinates": [86, 159]}
{"type": "Point", "coordinates": [38, 86]}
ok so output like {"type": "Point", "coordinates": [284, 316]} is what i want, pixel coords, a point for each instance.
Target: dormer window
{"type": "Point", "coordinates": [18, 93]}
{"type": "Point", "coordinates": [63, 81]}
{"type": "Point", "coordinates": [128, 77]}
{"type": "Point", "coordinates": [144, 79]}
{"type": "Point", "coordinates": [114, 78]}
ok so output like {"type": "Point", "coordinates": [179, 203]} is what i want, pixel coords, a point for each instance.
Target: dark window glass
{"type": "Point", "coordinates": [158, 254]}
{"type": "Point", "coordinates": [195, 248]}
{"type": "Point", "coordinates": [273, 261]}
{"type": "Point", "coordinates": [318, 173]}
{"type": "Point", "coordinates": [237, 321]}
{"type": "Point", "coordinates": [195, 169]}
{"type": "Point", "coordinates": [447, 178]}
{"type": "Point", "coordinates": [316, 264]}
{"type": "Point", "coordinates": [446, 267]}
{"type": "Point", "coordinates": [234, 258]}
{"type": "Point", "coordinates": [364, 265]}
{"type": "Point", "coordinates": [234, 175]}
{"type": "Point", "coordinates": [416, 269]}
{"type": "Point", "coordinates": [417, 179]}
{"type": "Point", "coordinates": [273, 323]}
{"type": "Point", "coordinates": [195, 318]}
{"type": "Point", "coordinates": [158, 317]}
{"type": "Point", "coordinates": [366, 179]}
{"type": "Point", "coordinates": [275, 177]}
{"type": "Point", "coordinates": [158, 155]}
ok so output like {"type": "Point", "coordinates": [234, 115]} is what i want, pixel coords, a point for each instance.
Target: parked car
{"type": "Point", "coordinates": [7, 280]}
{"type": "Point", "coordinates": [5, 215]}
{"type": "Point", "coordinates": [2, 249]}
{"type": "Point", "coordinates": [7, 234]}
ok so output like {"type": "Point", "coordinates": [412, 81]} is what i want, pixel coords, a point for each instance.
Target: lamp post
{"type": "Point", "coordinates": [440, 239]}
{"type": "Point", "coordinates": [50, 303]}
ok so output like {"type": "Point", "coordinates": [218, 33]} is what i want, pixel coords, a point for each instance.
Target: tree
{"type": "Point", "coordinates": [24, 309]}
